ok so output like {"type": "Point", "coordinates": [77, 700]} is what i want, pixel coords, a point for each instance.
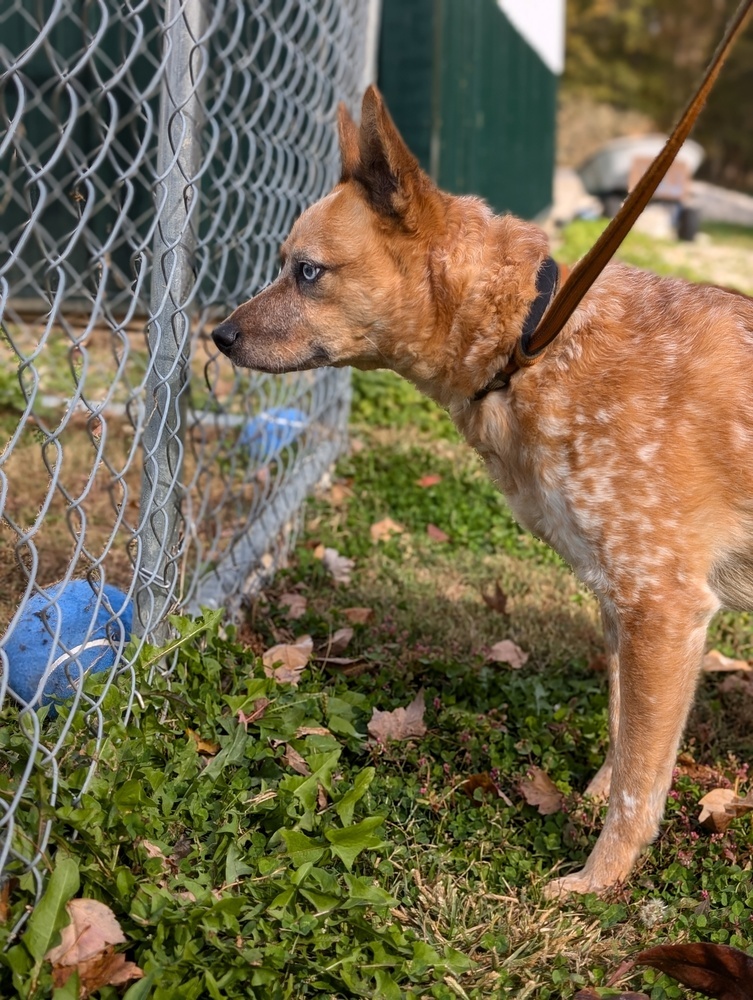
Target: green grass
{"type": "Point", "coordinates": [382, 400]}
{"type": "Point", "coordinates": [638, 249]}
{"type": "Point", "coordinates": [377, 876]}
{"type": "Point", "coordinates": [730, 234]}
{"type": "Point", "coordinates": [464, 504]}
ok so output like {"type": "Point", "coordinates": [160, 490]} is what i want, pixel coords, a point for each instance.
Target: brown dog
{"type": "Point", "coordinates": [627, 446]}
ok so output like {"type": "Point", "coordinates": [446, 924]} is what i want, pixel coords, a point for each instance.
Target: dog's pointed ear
{"type": "Point", "coordinates": [388, 170]}
{"type": "Point", "coordinates": [349, 152]}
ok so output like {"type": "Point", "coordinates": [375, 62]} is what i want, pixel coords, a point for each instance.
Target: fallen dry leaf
{"type": "Point", "coordinates": [340, 641]}
{"type": "Point", "coordinates": [399, 724]}
{"type": "Point", "coordinates": [359, 616]}
{"type": "Point", "coordinates": [5, 903]}
{"type": "Point", "coordinates": [702, 773]}
{"type": "Point", "coordinates": [167, 864]}
{"type": "Point", "coordinates": [714, 815]}
{"type": "Point", "coordinates": [152, 850]}
{"type": "Point", "coordinates": [302, 731]}
{"type": "Point", "coordinates": [260, 707]}
{"type": "Point", "coordinates": [426, 481]}
{"type": "Point", "coordinates": [110, 968]}
{"type": "Point", "coordinates": [380, 531]}
{"type": "Point", "coordinates": [339, 567]}
{"type": "Point", "coordinates": [734, 684]}
{"type": "Point", "coordinates": [539, 790]}
{"type": "Point", "coordinates": [93, 926]}
{"type": "Point", "coordinates": [86, 947]}
{"type": "Point", "coordinates": [295, 603]}
{"type": "Point", "coordinates": [482, 782]}
{"type": "Point", "coordinates": [286, 661]}
{"type": "Point", "coordinates": [508, 652]}
{"type": "Point", "coordinates": [715, 662]}
{"type": "Point", "coordinates": [339, 493]}
{"type": "Point", "coordinates": [208, 748]}
{"type": "Point", "coordinates": [496, 601]}
{"type": "Point", "coordinates": [321, 798]}
{"type": "Point", "coordinates": [486, 784]}
{"type": "Point", "coordinates": [293, 760]}
{"type": "Point", "coordinates": [717, 970]}
{"type": "Point", "coordinates": [436, 534]}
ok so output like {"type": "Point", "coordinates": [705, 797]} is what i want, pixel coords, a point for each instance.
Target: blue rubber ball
{"type": "Point", "coordinates": [266, 434]}
{"type": "Point", "coordinates": [32, 651]}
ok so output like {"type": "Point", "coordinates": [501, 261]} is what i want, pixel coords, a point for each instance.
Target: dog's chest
{"type": "Point", "coordinates": [537, 464]}
{"type": "Point", "coordinates": [545, 501]}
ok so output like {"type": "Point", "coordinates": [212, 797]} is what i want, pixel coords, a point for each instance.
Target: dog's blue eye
{"type": "Point", "coordinates": [310, 272]}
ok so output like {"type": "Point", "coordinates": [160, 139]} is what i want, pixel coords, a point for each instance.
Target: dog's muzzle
{"type": "Point", "coordinates": [225, 335]}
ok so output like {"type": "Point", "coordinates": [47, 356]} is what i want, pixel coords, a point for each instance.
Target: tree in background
{"type": "Point", "coordinates": [648, 55]}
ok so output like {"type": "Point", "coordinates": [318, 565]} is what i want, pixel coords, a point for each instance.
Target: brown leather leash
{"type": "Point", "coordinates": [568, 296]}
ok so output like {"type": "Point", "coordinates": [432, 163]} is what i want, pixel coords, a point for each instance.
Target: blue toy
{"type": "Point", "coordinates": [266, 434]}
{"type": "Point", "coordinates": [31, 649]}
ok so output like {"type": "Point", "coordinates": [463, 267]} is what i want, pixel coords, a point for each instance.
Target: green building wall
{"type": "Point", "coordinates": [472, 99]}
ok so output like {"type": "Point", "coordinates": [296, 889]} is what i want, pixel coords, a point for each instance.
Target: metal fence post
{"type": "Point", "coordinates": [172, 291]}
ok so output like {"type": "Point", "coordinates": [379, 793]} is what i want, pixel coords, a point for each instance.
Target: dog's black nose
{"type": "Point", "coordinates": [225, 335]}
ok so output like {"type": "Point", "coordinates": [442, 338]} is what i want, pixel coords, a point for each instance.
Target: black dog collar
{"type": "Point", "coordinates": [547, 283]}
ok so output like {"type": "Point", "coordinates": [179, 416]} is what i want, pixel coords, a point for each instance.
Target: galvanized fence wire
{"type": "Point", "coordinates": [154, 156]}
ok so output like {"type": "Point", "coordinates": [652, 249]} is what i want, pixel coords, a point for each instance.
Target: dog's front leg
{"type": "Point", "coordinates": [599, 785]}
{"type": "Point", "coordinates": [660, 652]}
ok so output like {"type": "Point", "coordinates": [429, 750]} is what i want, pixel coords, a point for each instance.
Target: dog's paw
{"type": "Point", "coordinates": [599, 785]}
{"type": "Point", "coordinates": [580, 882]}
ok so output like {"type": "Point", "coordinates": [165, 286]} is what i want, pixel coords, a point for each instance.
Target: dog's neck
{"type": "Point", "coordinates": [481, 285]}
{"type": "Point", "coordinates": [548, 280]}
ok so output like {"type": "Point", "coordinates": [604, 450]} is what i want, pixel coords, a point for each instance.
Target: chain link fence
{"type": "Point", "coordinates": [153, 158]}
